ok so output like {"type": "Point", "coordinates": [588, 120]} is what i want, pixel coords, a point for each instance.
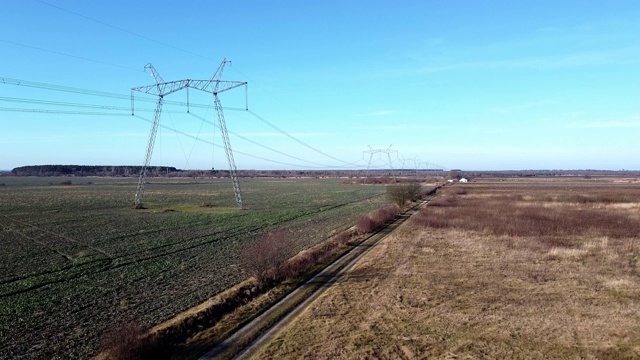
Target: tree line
{"type": "Point", "coordinates": [88, 170]}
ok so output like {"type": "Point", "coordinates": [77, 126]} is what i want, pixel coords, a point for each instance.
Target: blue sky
{"type": "Point", "coordinates": [482, 85]}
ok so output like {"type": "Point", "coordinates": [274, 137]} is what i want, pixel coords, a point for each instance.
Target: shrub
{"type": "Point", "coordinates": [401, 193]}
{"type": "Point", "coordinates": [264, 258]}
{"type": "Point", "coordinates": [366, 225]}
{"type": "Point", "coordinates": [131, 342]}
{"type": "Point", "coordinates": [389, 212]}
{"type": "Point", "coordinates": [369, 223]}
{"type": "Point", "coordinates": [343, 238]}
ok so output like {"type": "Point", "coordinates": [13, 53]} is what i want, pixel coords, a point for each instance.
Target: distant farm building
{"type": "Point", "coordinates": [463, 180]}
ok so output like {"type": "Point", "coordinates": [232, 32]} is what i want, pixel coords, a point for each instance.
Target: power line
{"type": "Point", "coordinates": [126, 112]}
{"type": "Point", "coordinates": [295, 139]}
{"type": "Point", "coordinates": [124, 30]}
{"type": "Point", "coordinates": [119, 96]}
{"type": "Point", "coordinates": [66, 112]}
{"type": "Point", "coordinates": [45, 86]}
{"type": "Point", "coordinates": [258, 144]}
{"type": "Point", "coordinates": [127, 97]}
{"type": "Point", "coordinates": [34, 84]}
{"type": "Point", "coordinates": [114, 111]}
{"type": "Point", "coordinates": [69, 55]}
{"type": "Point", "coordinates": [62, 103]}
{"type": "Point", "coordinates": [127, 109]}
{"type": "Point", "coordinates": [221, 147]}
{"type": "Point", "coordinates": [346, 164]}
{"type": "Point", "coordinates": [53, 87]}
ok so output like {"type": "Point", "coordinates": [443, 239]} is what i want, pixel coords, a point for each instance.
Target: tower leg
{"type": "Point", "coordinates": [147, 158]}
{"type": "Point", "coordinates": [227, 149]}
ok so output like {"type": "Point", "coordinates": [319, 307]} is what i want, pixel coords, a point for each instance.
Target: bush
{"type": "Point", "coordinates": [401, 193]}
{"type": "Point", "coordinates": [343, 238]}
{"type": "Point", "coordinates": [131, 342]}
{"type": "Point", "coordinates": [388, 212]}
{"type": "Point", "coordinates": [366, 225]}
{"type": "Point", "coordinates": [264, 258]}
{"type": "Point", "coordinates": [369, 223]}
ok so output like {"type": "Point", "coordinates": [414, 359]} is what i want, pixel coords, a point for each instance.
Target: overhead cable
{"type": "Point", "coordinates": [45, 86]}
{"type": "Point", "coordinates": [69, 55]}
{"type": "Point", "coordinates": [258, 144]}
{"type": "Point", "coordinates": [221, 147]}
{"type": "Point", "coordinates": [124, 30]}
{"type": "Point", "coordinates": [296, 139]}
{"type": "Point", "coordinates": [125, 111]}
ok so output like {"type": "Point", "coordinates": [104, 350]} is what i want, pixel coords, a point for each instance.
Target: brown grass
{"type": "Point", "coordinates": [371, 222]}
{"type": "Point", "coordinates": [526, 213]}
{"type": "Point", "coordinates": [524, 270]}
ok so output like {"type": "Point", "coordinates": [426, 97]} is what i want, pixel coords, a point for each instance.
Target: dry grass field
{"type": "Point", "coordinates": [524, 269]}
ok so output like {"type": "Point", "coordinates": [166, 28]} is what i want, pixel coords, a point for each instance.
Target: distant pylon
{"type": "Point", "coordinates": [387, 151]}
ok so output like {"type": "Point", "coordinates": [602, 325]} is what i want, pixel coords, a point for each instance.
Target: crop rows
{"type": "Point", "coordinates": [76, 259]}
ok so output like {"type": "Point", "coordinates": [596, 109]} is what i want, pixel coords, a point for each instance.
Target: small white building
{"type": "Point", "coordinates": [449, 181]}
{"type": "Point", "coordinates": [463, 180]}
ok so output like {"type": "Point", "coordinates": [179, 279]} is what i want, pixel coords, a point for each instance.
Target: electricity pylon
{"type": "Point", "coordinates": [387, 151]}
{"type": "Point", "coordinates": [161, 89]}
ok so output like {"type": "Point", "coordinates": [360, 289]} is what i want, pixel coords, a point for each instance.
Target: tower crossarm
{"type": "Point", "coordinates": [162, 89]}
{"type": "Point", "coordinates": [210, 86]}
{"type": "Point", "coordinates": [216, 86]}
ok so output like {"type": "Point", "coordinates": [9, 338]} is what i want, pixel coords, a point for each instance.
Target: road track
{"type": "Point", "coordinates": [263, 328]}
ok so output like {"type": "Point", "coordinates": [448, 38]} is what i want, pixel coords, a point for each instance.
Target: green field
{"type": "Point", "coordinates": [77, 259]}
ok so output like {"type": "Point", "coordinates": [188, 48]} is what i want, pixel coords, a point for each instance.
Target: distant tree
{"type": "Point", "coordinates": [85, 170]}
{"type": "Point", "coordinates": [401, 193]}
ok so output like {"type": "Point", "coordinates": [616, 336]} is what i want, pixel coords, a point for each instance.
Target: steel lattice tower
{"type": "Point", "coordinates": [387, 151]}
{"type": "Point", "coordinates": [161, 89]}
